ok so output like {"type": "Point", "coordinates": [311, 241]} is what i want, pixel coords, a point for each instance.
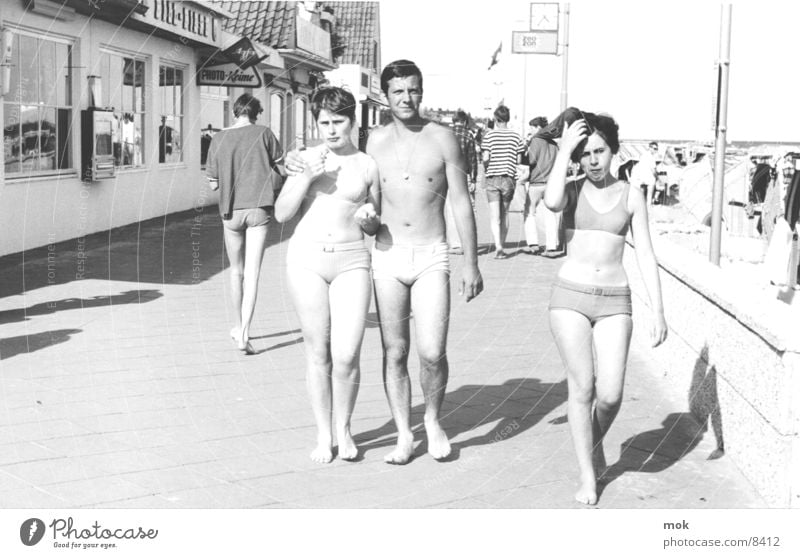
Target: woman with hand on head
{"type": "Point", "coordinates": [242, 162]}
{"type": "Point", "coordinates": [328, 265]}
{"type": "Point", "coordinates": [590, 306]}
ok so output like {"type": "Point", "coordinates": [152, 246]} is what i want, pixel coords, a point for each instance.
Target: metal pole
{"type": "Point", "coordinates": [565, 57]}
{"type": "Point", "coordinates": [722, 129]}
{"type": "Point", "coordinates": [524, 93]}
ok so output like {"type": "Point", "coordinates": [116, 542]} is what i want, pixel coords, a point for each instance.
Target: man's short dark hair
{"type": "Point", "coordinates": [539, 121]}
{"type": "Point", "coordinates": [334, 99]}
{"type": "Point", "coordinates": [248, 105]}
{"type": "Point", "coordinates": [502, 114]}
{"type": "Point", "coordinates": [460, 116]}
{"type": "Point", "coordinates": [653, 144]}
{"type": "Point", "coordinates": [399, 69]}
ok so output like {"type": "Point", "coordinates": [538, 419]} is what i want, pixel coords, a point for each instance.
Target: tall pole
{"type": "Point", "coordinates": [565, 58]}
{"type": "Point", "coordinates": [524, 92]}
{"type": "Point", "coordinates": [722, 129]}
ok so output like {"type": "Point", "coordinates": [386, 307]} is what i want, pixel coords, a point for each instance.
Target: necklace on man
{"type": "Point", "coordinates": [406, 174]}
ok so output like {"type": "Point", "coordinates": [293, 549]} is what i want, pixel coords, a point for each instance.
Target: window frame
{"type": "Point", "coordinates": [19, 102]}
{"type": "Point", "coordinates": [184, 69]}
{"type": "Point", "coordinates": [145, 102]}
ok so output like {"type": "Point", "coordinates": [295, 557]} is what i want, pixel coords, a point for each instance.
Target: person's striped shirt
{"type": "Point", "coordinates": [504, 146]}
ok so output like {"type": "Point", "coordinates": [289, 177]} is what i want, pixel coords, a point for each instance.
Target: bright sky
{"type": "Point", "coordinates": [648, 64]}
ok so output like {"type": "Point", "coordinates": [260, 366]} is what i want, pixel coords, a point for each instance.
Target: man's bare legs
{"type": "Point", "coordinates": [573, 335]}
{"type": "Point", "coordinates": [612, 336]}
{"type": "Point", "coordinates": [349, 296]}
{"type": "Point", "coordinates": [430, 305]}
{"type": "Point", "coordinates": [429, 299]}
{"type": "Point", "coordinates": [393, 302]}
{"type": "Point", "coordinates": [496, 223]}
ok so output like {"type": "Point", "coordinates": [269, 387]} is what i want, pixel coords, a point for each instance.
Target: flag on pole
{"type": "Point", "coordinates": [496, 55]}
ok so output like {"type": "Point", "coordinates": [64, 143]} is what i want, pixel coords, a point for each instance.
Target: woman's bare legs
{"type": "Point", "coordinates": [309, 293]}
{"type": "Point", "coordinates": [573, 335]}
{"type": "Point", "coordinates": [254, 254]}
{"type": "Point", "coordinates": [496, 223]}
{"type": "Point", "coordinates": [234, 246]}
{"type": "Point", "coordinates": [612, 337]}
{"type": "Point", "coordinates": [349, 297]}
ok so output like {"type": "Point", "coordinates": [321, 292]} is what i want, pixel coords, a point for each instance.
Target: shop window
{"type": "Point", "coordinates": [276, 116]}
{"type": "Point", "coordinates": [170, 128]}
{"type": "Point", "coordinates": [38, 107]}
{"type": "Point", "coordinates": [215, 111]}
{"type": "Point", "coordinates": [123, 80]}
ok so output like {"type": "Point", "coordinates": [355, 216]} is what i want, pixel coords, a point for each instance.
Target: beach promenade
{"type": "Point", "coordinates": [120, 388]}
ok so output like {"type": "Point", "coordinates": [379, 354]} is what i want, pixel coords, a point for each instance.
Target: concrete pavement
{"type": "Point", "coordinates": [120, 388]}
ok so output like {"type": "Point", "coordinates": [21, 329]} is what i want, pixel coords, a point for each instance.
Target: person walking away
{"type": "Point", "coordinates": [502, 150]}
{"type": "Point", "coordinates": [244, 163]}
{"type": "Point", "coordinates": [467, 144]}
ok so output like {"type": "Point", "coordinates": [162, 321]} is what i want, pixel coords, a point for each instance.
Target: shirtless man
{"type": "Point", "coordinates": [419, 162]}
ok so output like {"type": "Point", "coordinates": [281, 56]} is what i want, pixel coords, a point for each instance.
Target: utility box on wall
{"type": "Point", "coordinates": [97, 147]}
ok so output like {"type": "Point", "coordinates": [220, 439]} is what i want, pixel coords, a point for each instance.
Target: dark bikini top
{"type": "Point", "coordinates": [580, 215]}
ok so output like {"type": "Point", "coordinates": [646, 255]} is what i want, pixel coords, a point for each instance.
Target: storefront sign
{"type": "Point", "coordinates": [185, 19]}
{"type": "Point", "coordinates": [534, 42]}
{"type": "Point", "coordinates": [374, 84]}
{"type": "Point", "coordinates": [228, 75]}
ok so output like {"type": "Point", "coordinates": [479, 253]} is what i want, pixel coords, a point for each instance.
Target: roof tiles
{"type": "Point", "coordinates": [358, 26]}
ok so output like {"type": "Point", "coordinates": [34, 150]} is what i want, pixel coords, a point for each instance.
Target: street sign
{"type": "Point", "coordinates": [544, 16]}
{"type": "Point", "coordinates": [534, 42]}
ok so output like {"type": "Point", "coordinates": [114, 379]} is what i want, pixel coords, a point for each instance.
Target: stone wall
{"type": "Point", "coordinates": [734, 351]}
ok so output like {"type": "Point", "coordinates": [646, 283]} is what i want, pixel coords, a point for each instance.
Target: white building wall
{"type": "Point", "coordinates": [42, 210]}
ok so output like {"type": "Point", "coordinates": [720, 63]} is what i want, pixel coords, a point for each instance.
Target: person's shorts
{"type": "Point", "coordinates": [252, 217]}
{"type": "Point", "coordinates": [407, 263]}
{"type": "Point", "coordinates": [500, 188]}
{"type": "Point", "coordinates": [327, 260]}
{"type": "Point", "coordinates": [591, 301]}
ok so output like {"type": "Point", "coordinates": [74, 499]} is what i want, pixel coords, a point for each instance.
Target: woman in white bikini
{"type": "Point", "coordinates": [328, 265]}
{"type": "Point", "coordinates": [590, 306]}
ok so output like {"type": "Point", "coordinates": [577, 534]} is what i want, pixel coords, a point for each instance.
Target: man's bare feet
{"type": "Point", "coordinates": [438, 444]}
{"type": "Point", "coordinates": [323, 453]}
{"type": "Point", "coordinates": [347, 447]}
{"type": "Point", "coordinates": [402, 451]}
{"type": "Point", "coordinates": [587, 493]}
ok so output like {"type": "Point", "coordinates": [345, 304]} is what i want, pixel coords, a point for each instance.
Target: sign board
{"type": "Point", "coordinates": [534, 42]}
{"type": "Point", "coordinates": [189, 20]}
{"type": "Point", "coordinates": [544, 16]}
{"type": "Point", "coordinates": [228, 75]}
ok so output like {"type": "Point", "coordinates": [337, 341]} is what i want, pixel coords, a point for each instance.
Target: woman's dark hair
{"type": "Point", "coordinates": [399, 69]}
{"type": "Point", "coordinates": [539, 121]}
{"type": "Point", "coordinates": [502, 114]}
{"type": "Point", "coordinates": [247, 104]}
{"type": "Point", "coordinates": [335, 100]}
{"type": "Point", "coordinates": [605, 127]}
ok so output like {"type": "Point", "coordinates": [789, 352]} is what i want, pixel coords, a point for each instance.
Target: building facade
{"type": "Point", "coordinates": [107, 108]}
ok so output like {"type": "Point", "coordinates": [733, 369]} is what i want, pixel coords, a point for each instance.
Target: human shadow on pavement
{"type": "Point", "coordinates": [183, 248]}
{"type": "Point", "coordinates": [704, 401]}
{"type": "Point", "coordinates": [12, 346]}
{"type": "Point", "coordinates": [656, 450]}
{"type": "Point", "coordinates": [512, 407]}
{"type": "Point", "coordinates": [52, 306]}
